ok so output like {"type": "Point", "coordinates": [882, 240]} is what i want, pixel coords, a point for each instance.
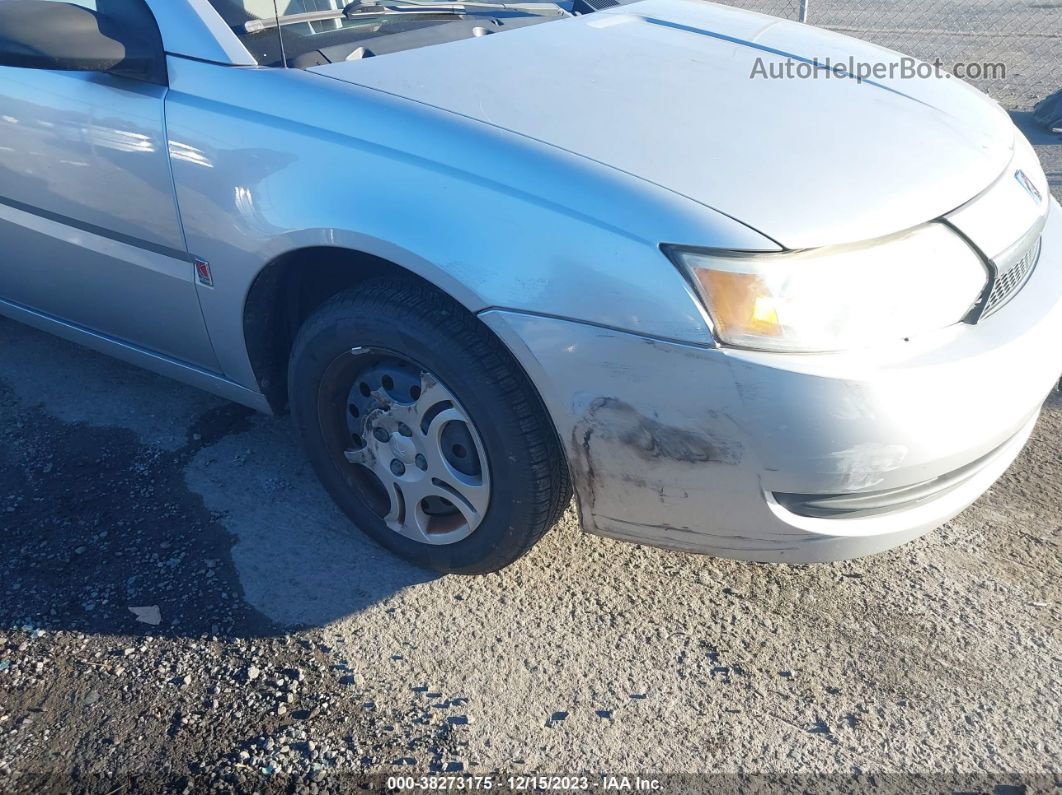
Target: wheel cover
{"type": "Point", "coordinates": [406, 444]}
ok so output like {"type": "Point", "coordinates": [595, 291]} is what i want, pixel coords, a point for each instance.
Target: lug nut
{"type": "Point", "coordinates": [397, 467]}
{"type": "Point", "coordinates": [380, 434]}
{"type": "Point", "coordinates": [422, 462]}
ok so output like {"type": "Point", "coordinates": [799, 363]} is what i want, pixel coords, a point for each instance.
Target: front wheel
{"type": "Point", "coordinates": [424, 429]}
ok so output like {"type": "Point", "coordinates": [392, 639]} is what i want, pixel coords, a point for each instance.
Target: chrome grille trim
{"type": "Point", "coordinates": [1007, 283]}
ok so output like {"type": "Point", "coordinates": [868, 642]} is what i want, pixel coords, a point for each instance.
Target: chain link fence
{"type": "Point", "coordinates": [1024, 36]}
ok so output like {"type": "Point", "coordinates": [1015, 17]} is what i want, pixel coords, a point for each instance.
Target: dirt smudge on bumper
{"type": "Point", "coordinates": [611, 427]}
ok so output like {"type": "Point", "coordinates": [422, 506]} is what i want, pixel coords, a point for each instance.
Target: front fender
{"type": "Point", "coordinates": [267, 161]}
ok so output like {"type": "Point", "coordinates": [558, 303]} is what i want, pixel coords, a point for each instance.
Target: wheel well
{"type": "Point", "coordinates": [284, 294]}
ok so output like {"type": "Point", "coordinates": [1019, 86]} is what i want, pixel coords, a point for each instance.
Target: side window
{"type": "Point", "coordinates": [133, 16]}
{"type": "Point", "coordinates": [89, 4]}
{"type": "Point", "coordinates": [134, 13]}
{"type": "Point", "coordinates": [116, 36]}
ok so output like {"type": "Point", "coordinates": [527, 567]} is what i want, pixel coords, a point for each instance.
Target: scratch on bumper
{"type": "Point", "coordinates": [612, 430]}
{"type": "Point", "coordinates": [684, 446]}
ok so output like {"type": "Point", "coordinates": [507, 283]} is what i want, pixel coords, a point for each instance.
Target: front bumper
{"type": "Point", "coordinates": [701, 449]}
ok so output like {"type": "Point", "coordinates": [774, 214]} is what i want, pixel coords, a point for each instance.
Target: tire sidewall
{"type": "Point", "coordinates": [461, 370]}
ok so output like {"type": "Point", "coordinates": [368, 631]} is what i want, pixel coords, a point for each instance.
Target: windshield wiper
{"type": "Point", "coordinates": [355, 8]}
{"type": "Point", "coordinates": [397, 7]}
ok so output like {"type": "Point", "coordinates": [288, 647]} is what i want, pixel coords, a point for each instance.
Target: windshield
{"type": "Point", "coordinates": [306, 33]}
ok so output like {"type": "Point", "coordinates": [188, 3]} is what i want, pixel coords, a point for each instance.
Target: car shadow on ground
{"type": "Point", "coordinates": [97, 518]}
{"type": "Point", "coordinates": [1037, 134]}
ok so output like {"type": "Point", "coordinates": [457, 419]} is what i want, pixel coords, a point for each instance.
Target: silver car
{"type": "Point", "coordinates": [490, 253]}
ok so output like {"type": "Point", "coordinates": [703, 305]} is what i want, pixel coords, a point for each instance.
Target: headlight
{"type": "Point", "coordinates": [839, 297]}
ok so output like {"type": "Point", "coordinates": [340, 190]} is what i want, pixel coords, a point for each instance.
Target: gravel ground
{"type": "Point", "coordinates": [180, 602]}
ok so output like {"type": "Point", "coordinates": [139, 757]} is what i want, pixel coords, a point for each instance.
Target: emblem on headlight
{"type": "Point", "coordinates": [1027, 183]}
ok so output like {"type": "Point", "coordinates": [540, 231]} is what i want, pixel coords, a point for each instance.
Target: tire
{"type": "Point", "coordinates": [512, 453]}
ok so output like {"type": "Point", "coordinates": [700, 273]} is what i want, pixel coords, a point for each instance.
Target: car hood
{"type": "Point", "coordinates": [663, 90]}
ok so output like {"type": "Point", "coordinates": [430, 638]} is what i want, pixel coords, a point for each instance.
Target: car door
{"type": "Point", "coordinates": [89, 228]}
